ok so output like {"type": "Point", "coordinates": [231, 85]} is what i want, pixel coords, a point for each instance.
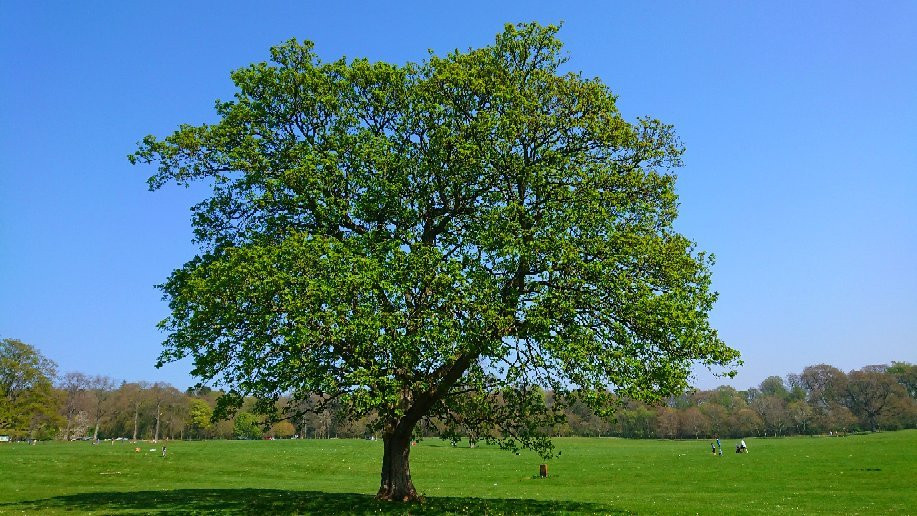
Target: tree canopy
{"type": "Point", "coordinates": [435, 241]}
{"type": "Point", "coordinates": [28, 405]}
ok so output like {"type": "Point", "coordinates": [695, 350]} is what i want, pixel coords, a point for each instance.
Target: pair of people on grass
{"type": "Point", "coordinates": [717, 447]}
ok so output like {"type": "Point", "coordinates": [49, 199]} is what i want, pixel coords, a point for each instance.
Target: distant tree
{"type": "Point", "coordinates": [200, 415]}
{"type": "Point", "coordinates": [906, 374]}
{"type": "Point", "coordinates": [901, 412]}
{"type": "Point", "coordinates": [837, 419]}
{"type": "Point", "coordinates": [587, 423]}
{"type": "Point", "coordinates": [751, 395]}
{"type": "Point", "coordinates": [28, 404]}
{"type": "Point", "coordinates": [176, 413]}
{"type": "Point", "coordinates": [162, 397]}
{"type": "Point", "coordinates": [772, 410]}
{"type": "Point", "coordinates": [800, 414]}
{"type": "Point", "coordinates": [681, 401]}
{"type": "Point", "coordinates": [199, 391]}
{"type": "Point", "coordinates": [825, 386]}
{"type": "Point", "coordinates": [693, 422]}
{"type": "Point", "coordinates": [133, 398]}
{"type": "Point", "coordinates": [396, 238]}
{"type": "Point", "coordinates": [728, 398]}
{"type": "Point", "coordinates": [247, 426]}
{"type": "Point", "coordinates": [717, 416]}
{"type": "Point", "coordinates": [746, 422]}
{"type": "Point", "coordinates": [667, 422]}
{"type": "Point", "coordinates": [120, 422]}
{"type": "Point", "coordinates": [282, 430]}
{"type": "Point", "coordinates": [868, 393]}
{"type": "Point", "coordinates": [796, 389]}
{"type": "Point", "coordinates": [74, 387]}
{"type": "Point", "coordinates": [636, 421]}
{"type": "Point", "coordinates": [774, 386]}
{"type": "Point", "coordinates": [102, 389]}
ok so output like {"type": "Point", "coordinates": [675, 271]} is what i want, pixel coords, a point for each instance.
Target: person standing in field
{"type": "Point", "coordinates": [718, 445]}
{"type": "Point", "coordinates": [713, 448]}
{"type": "Point", "coordinates": [744, 448]}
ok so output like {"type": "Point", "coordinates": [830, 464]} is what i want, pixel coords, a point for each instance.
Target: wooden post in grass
{"type": "Point", "coordinates": [543, 471]}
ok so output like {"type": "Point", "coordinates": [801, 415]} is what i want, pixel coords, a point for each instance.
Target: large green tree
{"type": "Point", "coordinates": [869, 392]}
{"type": "Point", "coordinates": [438, 240]}
{"type": "Point", "coordinates": [28, 403]}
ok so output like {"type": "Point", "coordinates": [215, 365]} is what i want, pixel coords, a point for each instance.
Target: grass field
{"type": "Point", "coordinates": [865, 474]}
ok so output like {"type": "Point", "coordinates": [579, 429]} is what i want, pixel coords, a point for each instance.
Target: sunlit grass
{"type": "Point", "coordinates": [865, 474]}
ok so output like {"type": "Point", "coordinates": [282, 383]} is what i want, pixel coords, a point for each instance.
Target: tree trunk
{"type": "Point", "coordinates": [136, 420]}
{"type": "Point", "coordinates": [396, 473]}
{"type": "Point", "coordinates": [95, 433]}
{"type": "Point", "coordinates": [158, 415]}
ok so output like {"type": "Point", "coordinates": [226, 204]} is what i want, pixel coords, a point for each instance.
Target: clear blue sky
{"type": "Point", "coordinates": [799, 118]}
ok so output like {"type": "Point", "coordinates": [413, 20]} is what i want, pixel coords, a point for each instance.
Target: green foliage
{"type": "Point", "coordinates": [863, 474]}
{"type": "Point", "coordinates": [869, 393]}
{"type": "Point", "coordinates": [282, 430]}
{"type": "Point", "coordinates": [28, 402]}
{"type": "Point", "coordinates": [774, 386]}
{"type": "Point", "coordinates": [435, 240]}
{"type": "Point", "coordinates": [906, 374]}
{"type": "Point", "coordinates": [247, 426]}
{"type": "Point", "coordinates": [200, 415]}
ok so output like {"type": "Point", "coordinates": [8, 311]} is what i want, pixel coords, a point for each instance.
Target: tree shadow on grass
{"type": "Point", "coordinates": [275, 501]}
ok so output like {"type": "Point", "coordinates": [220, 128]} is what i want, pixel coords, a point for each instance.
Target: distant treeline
{"type": "Point", "coordinates": [37, 403]}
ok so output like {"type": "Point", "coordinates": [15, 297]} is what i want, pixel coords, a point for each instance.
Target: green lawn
{"type": "Point", "coordinates": [866, 474]}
